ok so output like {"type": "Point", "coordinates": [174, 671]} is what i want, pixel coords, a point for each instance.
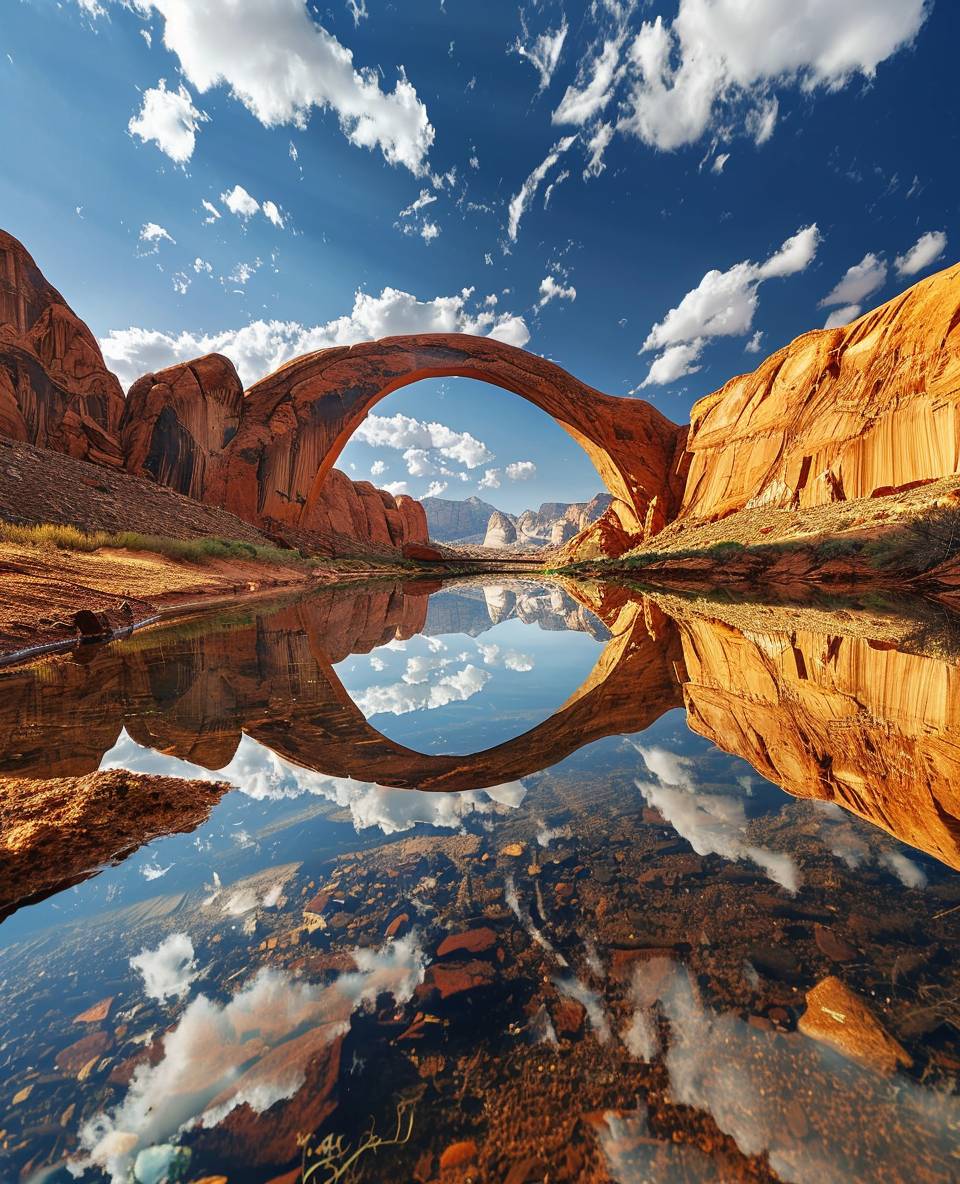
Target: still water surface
{"type": "Point", "coordinates": [491, 882]}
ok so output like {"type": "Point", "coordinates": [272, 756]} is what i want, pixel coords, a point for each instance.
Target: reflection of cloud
{"type": "Point", "coordinates": [523, 916]}
{"type": "Point", "coordinates": [153, 871]}
{"type": "Point", "coordinates": [261, 774]}
{"type": "Point", "coordinates": [419, 668]}
{"type": "Point", "coordinates": [711, 823]}
{"type": "Point", "coordinates": [841, 838]}
{"type": "Point", "coordinates": [739, 1075]}
{"type": "Point", "coordinates": [546, 834]}
{"type": "Point", "coordinates": [906, 871]}
{"type": "Point", "coordinates": [634, 1158]}
{"type": "Point", "coordinates": [511, 660]}
{"type": "Point", "coordinates": [253, 1049]}
{"type": "Point", "coordinates": [168, 970]}
{"type": "Point", "coordinates": [401, 698]}
{"type": "Point", "coordinates": [591, 1003]}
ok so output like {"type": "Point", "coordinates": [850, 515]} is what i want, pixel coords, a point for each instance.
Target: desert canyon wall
{"type": "Point", "coordinates": [861, 410]}
{"type": "Point", "coordinates": [837, 414]}
{"type": "Point", "coordinates": [55, 390]}
{"type": "Point", "coordinates": [175, 427]}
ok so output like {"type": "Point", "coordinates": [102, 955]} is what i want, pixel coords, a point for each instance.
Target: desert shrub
{"type": "Point", "coordinates": [924, 542]}
{"type": "Point", "coordinates": [725, 549]}
{"type": "Point", "coordinates": [837, 548]}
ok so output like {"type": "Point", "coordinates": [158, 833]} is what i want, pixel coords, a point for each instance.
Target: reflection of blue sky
{"type": "Point", "coordinates": [453, 692]}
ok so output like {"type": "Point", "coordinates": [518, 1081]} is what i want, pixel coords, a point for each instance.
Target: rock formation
{"type": "Point", "coordinates": [558, 522]}
{"type": "Point", "coordinates": [175, 426]}
{"type": "Point", "coordinates": [501, 531]}
{"type": "Point", "coordinates": [296, 421]}
{"type": "Point", "coordinates": [861, 410]}
{"type": "Point", "coordinates": [457, 522]}
{"type": "Point", "coordinates": [55, 389]}
{"type": "Point", "coordinates": [838, 413]}
{"type": "Point", "coordinates": [55, 833]}
{"type": "Point", "coordinates": [836, 719]}
{"type": "Point", "coordinates": [175, 422]}
{"type": "Point", "coordinates": [469, 522]}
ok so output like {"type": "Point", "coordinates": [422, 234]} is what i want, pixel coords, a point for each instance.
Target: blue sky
{"type": "Point", "coordinates": [562, 175]}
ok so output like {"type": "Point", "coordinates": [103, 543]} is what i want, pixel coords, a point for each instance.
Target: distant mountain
{"type": "Point", "coordinates": [457, 522]}
{"type": "Point", "coordinates": [476, 522]}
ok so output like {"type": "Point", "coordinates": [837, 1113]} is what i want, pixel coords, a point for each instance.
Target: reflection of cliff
{"type": "Point", "coordinates": [838, 719]}
{"type": "Point", "coordinates": [826, 716]}
{"type": "Point", "coordinates": [193, 693]}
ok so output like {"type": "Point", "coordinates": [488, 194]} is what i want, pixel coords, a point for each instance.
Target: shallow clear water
{"type": "Point", "coordinates": [494, 882]}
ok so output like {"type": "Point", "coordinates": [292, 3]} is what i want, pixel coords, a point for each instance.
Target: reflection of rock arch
{"type": "Point", "coordinates": [296, 421]}
{"type": "Point", "coordinates": [632, 684]}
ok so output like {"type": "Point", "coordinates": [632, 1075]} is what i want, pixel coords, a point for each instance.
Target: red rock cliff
{"type": "Point", "coordinates": [175, 421]}
{"type": "Point", "coordinates": [838, 413]}
{"type": "Point", "coordinates": [174, 427]}
{"type": "Point", "coordinates": [55, 390]}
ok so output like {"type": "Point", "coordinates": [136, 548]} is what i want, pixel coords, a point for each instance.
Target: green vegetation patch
{"type": "Point", "coordinates": [202, 550]}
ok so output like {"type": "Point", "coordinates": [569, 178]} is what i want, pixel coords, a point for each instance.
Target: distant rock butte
{"type": "Point", "coordinates": [451, 521]}
{"type": "Point", "coordinates": [501, 531]}
{"type": "Point", "coordinates": [471, 521]}
{"type": "Point", "coordinates": [862, 410]}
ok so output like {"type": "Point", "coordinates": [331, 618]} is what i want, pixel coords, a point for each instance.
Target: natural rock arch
{"type": "Point", "coordinates": [296, 421]}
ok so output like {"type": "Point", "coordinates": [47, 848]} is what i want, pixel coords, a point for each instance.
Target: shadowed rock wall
{"type": "Point", "coordinates": [55, 390]}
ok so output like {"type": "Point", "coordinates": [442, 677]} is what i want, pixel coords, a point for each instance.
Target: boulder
{"type": "Point", "coordinates": [837, 1017]}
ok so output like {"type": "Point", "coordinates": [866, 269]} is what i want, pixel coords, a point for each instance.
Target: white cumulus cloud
{"type": "Point", "coordinates": [152, 235]}
{"type": "Point", "coordinates": [723, 304]}
{"type": "Point", "coordinates": [415, 437]}
{"type": "Point", "coordinates": [281, 64]}
{"type": "Point", "coordinates": [170, 119]}
{"type": "Point", "coordinates": [925, 251]}
{"type": "Point", "coordinates": [520, 470]}
{"type": "Point", "coordinates": [550, 289]}
{"type": "Point", "coordinates": [719, 61]}
{"type": "Point", "coordinates": [261, 346]}
{"type": "Point", "coordinates": [239, 202]}
{"type": "Point", "coordinates": [856, 283]}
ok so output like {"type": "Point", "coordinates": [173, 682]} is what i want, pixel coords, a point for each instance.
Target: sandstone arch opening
{"type": "Point", "coordinates": [297, 421]}
{"type": "Point", "coordinates": [490, 470]}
